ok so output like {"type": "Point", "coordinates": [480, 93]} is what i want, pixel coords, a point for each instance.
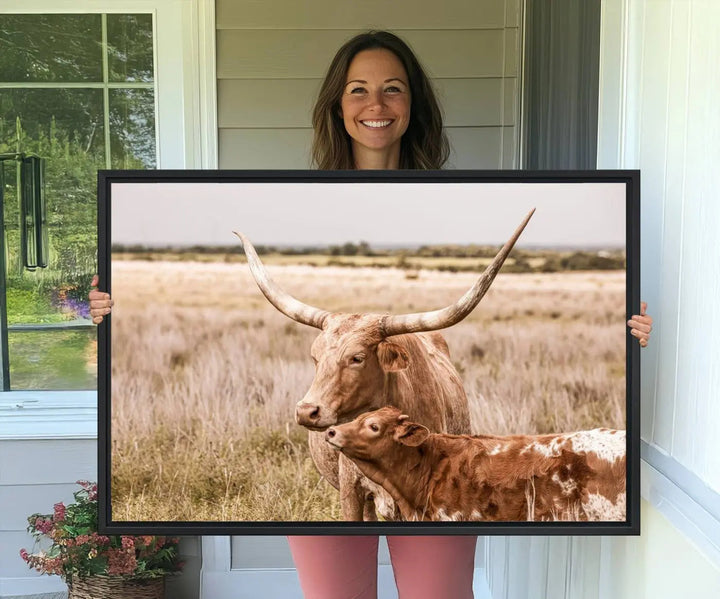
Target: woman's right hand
{"type": "Point", "coordinates": [100, 302]}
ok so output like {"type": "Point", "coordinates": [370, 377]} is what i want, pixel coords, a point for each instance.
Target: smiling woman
{"type": "Point", "coordinates": [377, 109]}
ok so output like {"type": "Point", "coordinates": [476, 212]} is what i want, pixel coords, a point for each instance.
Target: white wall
{"type": "Point", "coordinates": [47, 443]}
{"type": "Point", "coordinates": [658, 112]}
{"type": "Point", "coordinates": [37, 471]}
{"type": "Point", "coordinates": [668, 124]}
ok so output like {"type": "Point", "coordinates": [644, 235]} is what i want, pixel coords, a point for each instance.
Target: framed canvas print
{"type": "Point", "coordinates": [364, 352]}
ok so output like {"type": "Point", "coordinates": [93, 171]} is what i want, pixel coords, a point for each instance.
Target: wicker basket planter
{"type": "Point", "coordinates": [116, 587]}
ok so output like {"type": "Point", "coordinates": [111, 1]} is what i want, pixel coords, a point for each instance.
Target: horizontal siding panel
{"type": "Point", "coordinates": [474, 147]}
{"type": "Point", "coordinates": [262, 54]}
{"type": "Point", "coordinates": [264, 148]}
{"type": "Point", "coordinates": [19, 501]}
{"type": "Point", "coordinates": [511, 42]}
{"type": "Point", "coordinates": [276, 54]}
{"type": "Point", "coordinates": [271, 103]}
{"type": "Point", "coordinates": [510, 152]}
{"type": "Point", "coordinates": [512, 13]}
{"type": "Point", "coordinates": [475, 102]}
{"type": "Point", "coordinates": [266, 103]}
{"type": "Point", "coordinates": [51, 462]}
{"type": "Point", "coordinates": [510, 99]}
{"type": "Point", "coordinates": [369, 14]}
{"type": "Point", "coordinates": [11, 564]}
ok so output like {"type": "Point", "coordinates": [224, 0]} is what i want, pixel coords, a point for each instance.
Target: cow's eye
{"type": "Point", "coordinates": [358, 359]}
{"type": "Point", "coordinates": [374, 427]}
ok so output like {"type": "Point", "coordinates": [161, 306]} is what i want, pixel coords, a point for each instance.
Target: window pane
{"type": "Point", "coordinates": [50, 118]}
{"type": "Point", "coordinates": [50, 48]}
{"type": "Point", "coordinates": [132, 128]}
{"type": "Point", "coordinates": [65, 127]}
{"type": "Point", "coordinates": [130, 47]}
{"type": "Point", "coordinates": [53, 359]}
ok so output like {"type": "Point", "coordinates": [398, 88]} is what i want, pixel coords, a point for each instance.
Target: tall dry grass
{"type": "Point", "coordinates": [206, 375]}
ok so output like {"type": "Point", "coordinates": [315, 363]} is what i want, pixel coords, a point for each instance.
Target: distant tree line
{"type": "Point", "coordinates": [521, 260]}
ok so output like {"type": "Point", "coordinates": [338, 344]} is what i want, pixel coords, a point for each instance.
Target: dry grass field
{"type": "Point", "coordinates": [206, 375]}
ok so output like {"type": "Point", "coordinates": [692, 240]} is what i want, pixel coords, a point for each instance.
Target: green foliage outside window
{"type": "Point", "coordinates": [59, 101]}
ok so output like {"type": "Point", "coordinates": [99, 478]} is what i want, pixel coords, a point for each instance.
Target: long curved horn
{"type": "Point", "coordinates": [446, 317]}
{"type": "Point", "coordinates": [282, 300]}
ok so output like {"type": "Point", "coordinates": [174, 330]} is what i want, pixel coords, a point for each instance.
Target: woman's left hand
{"type": "Point", "coordinates": [100, 302]}
{"type": "Point", "coordinates": [641, 325]}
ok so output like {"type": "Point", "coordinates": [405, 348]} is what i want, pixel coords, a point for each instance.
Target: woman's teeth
{"type": "Point", "coordinates": [376, 124]}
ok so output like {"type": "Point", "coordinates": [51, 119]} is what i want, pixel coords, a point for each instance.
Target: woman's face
{"type": "Point", "coordinates": [375, 102]}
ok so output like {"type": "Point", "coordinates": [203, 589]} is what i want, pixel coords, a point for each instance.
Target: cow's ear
{"type": "Point", "coordinates": [411, 433]}
{"type": "Point", "coordinates": [392, 357]}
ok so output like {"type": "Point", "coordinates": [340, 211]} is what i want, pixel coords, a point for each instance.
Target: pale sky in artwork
{"type": "Point", "coordinates": [578, 215]}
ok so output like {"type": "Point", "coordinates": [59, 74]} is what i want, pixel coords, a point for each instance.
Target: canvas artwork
{"type": "Point", "coordinates": [308, 352]}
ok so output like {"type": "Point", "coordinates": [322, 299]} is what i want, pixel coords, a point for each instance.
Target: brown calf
{"type": "Point", "coordinates": [570, 476]}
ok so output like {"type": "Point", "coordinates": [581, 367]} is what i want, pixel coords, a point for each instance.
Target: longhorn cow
{"type": "Point", "coordinates": [366, 361]}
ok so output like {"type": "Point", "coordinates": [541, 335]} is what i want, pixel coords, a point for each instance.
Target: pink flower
{"type": "Point", "coordinates": [44, 525]}
{"type": "Point", "coordinates": [121, 561]}
{"type": "Point", "coordinates": [59, 512]}
{"type": "Point", "coordinates": [53, 565]}
{"type": "Point", "coordinates": [128, 543]}
{"type": "Point", "coordinates": [91, 489]}
{"type": "Point", "coordinates": [73, 554]}
{"type": "Point", "coordinates": [98, 539]}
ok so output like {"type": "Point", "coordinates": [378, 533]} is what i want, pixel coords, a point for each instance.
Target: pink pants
{"type": "Point", "coordinates": [345, 567]}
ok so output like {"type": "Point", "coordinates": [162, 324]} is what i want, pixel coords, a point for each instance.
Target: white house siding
{"type": "Point", "coordinates": [658, 112]}
{"type": "Point", "coordinates": [47, 443]}
{"type": "Point", "coordinates": [34, 475]}
{"type": "Point", "coordinates": [271, 58]}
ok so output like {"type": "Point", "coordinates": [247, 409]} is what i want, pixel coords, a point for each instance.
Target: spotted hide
{"type": "Point", "coordinates": [433, 476]}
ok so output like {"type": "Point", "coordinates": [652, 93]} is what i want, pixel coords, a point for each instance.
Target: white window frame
{"type": "Point", "coordinates": [186, 136]}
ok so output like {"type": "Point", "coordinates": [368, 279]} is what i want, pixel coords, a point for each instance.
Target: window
{"type": "Point", "coordinates": [79, 91]}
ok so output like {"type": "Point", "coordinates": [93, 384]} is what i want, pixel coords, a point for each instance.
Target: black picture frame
{"type": "Point", "coordinates": [440, 183]}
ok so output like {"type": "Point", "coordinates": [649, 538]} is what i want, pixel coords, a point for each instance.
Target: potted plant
{"type": "Point", "coordinates": [96, 566]}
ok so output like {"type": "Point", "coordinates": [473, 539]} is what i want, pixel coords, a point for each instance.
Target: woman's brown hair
{"type": "Point", "coordinates": [424, 144]}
